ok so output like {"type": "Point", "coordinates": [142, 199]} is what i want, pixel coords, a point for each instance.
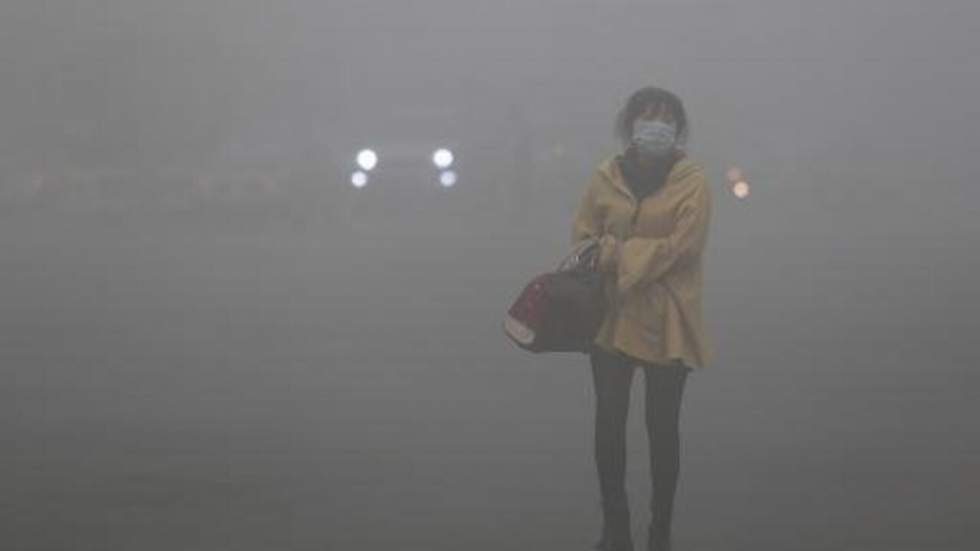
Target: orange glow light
{"type": "Point", "coordinates": [741, 189]}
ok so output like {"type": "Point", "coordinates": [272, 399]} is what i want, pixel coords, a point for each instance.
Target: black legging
{"type": "Point", "coordinates": [612, 374]}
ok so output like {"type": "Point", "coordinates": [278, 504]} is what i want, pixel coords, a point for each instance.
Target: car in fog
{"type": "Point", "coordinates": [423, 161]}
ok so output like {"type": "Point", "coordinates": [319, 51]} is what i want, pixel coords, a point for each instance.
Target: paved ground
{"type": "Point", "coordinates": [286, 392]}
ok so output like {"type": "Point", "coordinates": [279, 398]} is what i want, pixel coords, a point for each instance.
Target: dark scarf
{"type": "Point", "coordinates": [645, 181]}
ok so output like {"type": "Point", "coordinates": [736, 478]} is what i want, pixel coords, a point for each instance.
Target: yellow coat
{"type": "Point", "coordinates": [654, 312]}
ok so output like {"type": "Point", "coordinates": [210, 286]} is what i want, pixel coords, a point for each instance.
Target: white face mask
{"type": "Point", "coordinates": [656, 138]}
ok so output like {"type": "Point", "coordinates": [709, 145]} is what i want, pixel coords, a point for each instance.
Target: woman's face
{"type": "Point", "coordinates": [658, 112]}
{"type": "Point", "coordinates": [653, 113]}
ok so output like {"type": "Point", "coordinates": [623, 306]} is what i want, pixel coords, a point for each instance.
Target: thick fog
{"type": "Point", "coordinates": [210, 339]}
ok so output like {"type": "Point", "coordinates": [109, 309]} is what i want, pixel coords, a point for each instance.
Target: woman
{"type": "Point", "coordinates": [650, 206]}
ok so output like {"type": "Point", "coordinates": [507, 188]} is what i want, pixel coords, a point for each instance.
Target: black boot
{"type": "Point", "coordinates": [616, 534]}
{"type": "Point", "coordinates": [658, 537]}
{"type": "Point", "coordinates": [605, 544]}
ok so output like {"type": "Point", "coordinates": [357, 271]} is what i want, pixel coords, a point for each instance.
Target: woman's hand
{"type": "Point", "coordinates": [609, 248]}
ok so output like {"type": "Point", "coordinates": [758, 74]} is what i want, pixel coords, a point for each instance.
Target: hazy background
{"type": "Point", "coordinates": [210, 340]}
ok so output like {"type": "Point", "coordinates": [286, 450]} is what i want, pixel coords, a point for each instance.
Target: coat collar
{"type": "Point", "coordinates": [683, 168]}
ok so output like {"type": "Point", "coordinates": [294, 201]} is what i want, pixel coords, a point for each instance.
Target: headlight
{"type": "Point", "coordinates": [367, 159]}
{"type": "Point", "coordinates": [447, 178]}
{"type": "Point", "coordinates": [359, 179]}
{"type": "Point", "coordinates": [442, 158]}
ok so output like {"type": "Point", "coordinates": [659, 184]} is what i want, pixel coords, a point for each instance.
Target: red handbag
{"type": "Point", "coordinates": [562, 310]}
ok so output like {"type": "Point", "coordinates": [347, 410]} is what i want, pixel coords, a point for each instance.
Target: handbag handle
{"type": "Point", "coordinates": [584, 254]}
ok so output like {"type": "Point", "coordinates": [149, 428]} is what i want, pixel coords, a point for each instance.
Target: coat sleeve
{"type": "Point", "coordinates": [646, 259]}
{"type": "Point", "coordinates": [586, 222]}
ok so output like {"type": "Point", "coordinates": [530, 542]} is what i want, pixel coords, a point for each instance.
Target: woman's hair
{"type": "Point", "coordinates": [638, 103]}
